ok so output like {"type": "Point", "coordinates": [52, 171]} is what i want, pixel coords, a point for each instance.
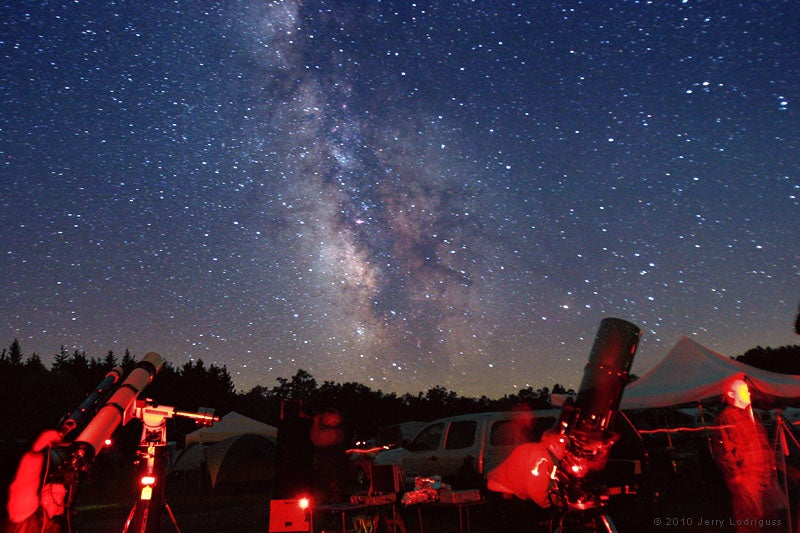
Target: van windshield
{"type": "Point", "coordinates": [429, 438]}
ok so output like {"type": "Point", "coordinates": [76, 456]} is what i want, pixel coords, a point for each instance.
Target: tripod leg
{"type": "Point", "coordinates": [606, 523]}
{"type": "Point", "coordinates": [781, 433]}
{"type": "Point", "coordinates": [568, 522]}
{"type": "Point", "coordinates": [172, 517]}
{"type": "Point", "coordinates": [128, 520]}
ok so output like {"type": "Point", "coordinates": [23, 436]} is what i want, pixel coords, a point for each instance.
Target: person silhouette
{"type": "Point", "coordinates": [33, 504]}
{"type": "Point", "coordinates": [330, 456]}
{"type": "Point", "coordinates": [746, 460]}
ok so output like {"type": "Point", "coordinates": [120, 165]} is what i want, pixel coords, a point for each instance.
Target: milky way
{"type": "Point", "coordinates": [400, 194]}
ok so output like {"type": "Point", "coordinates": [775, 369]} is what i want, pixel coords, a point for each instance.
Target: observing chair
{"type": "Point", "coordinates": [384, 479]}
{"type": "Point", "coordinates": [373, 506]}
{"type": "Point", "coordinates": [384, 487]}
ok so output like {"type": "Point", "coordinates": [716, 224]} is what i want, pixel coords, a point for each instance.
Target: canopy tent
{"type": "Point", "coordinates": [692, 373]}
{"type": "Point", "coordinates": [231, 425]}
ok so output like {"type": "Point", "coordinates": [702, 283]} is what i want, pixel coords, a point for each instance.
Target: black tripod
{"type": "Point", "coordinates": [145, 516]}
{"type": "Point", "coordinates": [579, 508]}
{"type": "Point", "coordinates": [590, 520]}
{"type": "Point", "coordinates": [782, 436]}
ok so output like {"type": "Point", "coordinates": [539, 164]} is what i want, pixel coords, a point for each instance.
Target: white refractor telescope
{"type": "Point", "coordinates": [118, 410]}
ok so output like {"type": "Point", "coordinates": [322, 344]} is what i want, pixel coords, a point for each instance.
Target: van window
{"type": "Point", "coordinates": [429, 438]}
{"type": "Point", "coordinates": [461, 435]}
{"type": "Point", "coordinates": [520, 430]}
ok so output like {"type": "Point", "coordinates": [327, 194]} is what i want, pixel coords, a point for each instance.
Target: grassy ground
{"type": "Point", "coordinates": [247, 511]}
{"type": "Point", "coordinates": [677, 501]}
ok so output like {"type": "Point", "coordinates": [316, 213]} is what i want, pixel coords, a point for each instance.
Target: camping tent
{"type": "Point", "coordinates": [237, 449]}
{"type": "Point", "coordinates": [691, 373]}
{"type": "Point", "coordinates": [231, 425]}
{"type": "Point", "coordinates": [236, 460]}
{"type": "Point", "coordinates": [190, 460]}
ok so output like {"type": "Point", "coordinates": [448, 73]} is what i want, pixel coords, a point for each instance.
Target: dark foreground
{"type": "Point", "coordinates": [685, 504]}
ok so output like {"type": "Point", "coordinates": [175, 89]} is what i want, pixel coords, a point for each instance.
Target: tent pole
{"type": "Point", "coordinates": [705, 429]}
{"type": "Point", "coordinates": [670, 446]}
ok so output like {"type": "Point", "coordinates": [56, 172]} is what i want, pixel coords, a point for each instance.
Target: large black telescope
{"type": "Point", "coordinates": [553, 472]}
{"type": "Point", "coordinates": [588, 422]}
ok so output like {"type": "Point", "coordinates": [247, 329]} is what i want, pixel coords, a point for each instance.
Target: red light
{"type": "Point", "coordinates": [108, 442]}
{"type": "Point", "coordinates": [365, 451]}
{"type": "Point", "coordinates": [303, 503]}
{"type": "Point", "coordinates": [148, 480]}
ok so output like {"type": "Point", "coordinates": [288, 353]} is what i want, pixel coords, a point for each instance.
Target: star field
{"type": "Point", "coordinates": [396, 193]}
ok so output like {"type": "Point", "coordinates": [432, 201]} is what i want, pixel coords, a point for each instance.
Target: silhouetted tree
{"type": "Point", "coordinates": [34, 364]}
{"type": "Point", "coordinates": [15, 353]}
{"type": "Point", "coordinates": [205, 387]}
{"type": "Point", "coordinates": [128, 362]}
{"type": "Point", "coordinates": [784, 360]}
{"type": "Point", "coordinates": [301, 387]}
{"type": "Point", "coordinates": [34, 397]}
{"type": "Point", "coordinates": [797, 323]}
{"type": "Point", "coordinates": [79, 361]}
{"type": "Point", "coordinates": [109, 361]}
{"type": "Point", "coordinates": [258, 403]}
{"type": "Point", "coordinates": [61, 358]}
{"type": "Point", "coordinates": [535, 399]}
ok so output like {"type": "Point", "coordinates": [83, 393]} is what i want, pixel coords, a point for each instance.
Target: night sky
{"type": "Point", "coordinates": [401, 194]}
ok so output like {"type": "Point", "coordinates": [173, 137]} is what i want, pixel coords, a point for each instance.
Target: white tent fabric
{"type": "Point", "coordinates": [240, 458]}
{"type": "Point", "coordinates": [190, 459]}
{"type": "Point", "coordinates": [231, 425]}
{"type": "Point", "coordinates": [247, 457]}
{"type": "Point", "coordinates": [691, 373]}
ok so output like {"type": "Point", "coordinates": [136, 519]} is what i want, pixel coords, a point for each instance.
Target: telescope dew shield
{"type": "Point", "coordinates": [605, 377]}
{"type": "Point", "coordinates": [116, 410]}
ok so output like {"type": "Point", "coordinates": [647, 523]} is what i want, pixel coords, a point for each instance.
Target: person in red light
{"type": "Point", "coordinates": [529, 472]}
{"type": "Point", "coordinates": [29, 509]}
{"type": "Point", "coordinates": [330, 456]}
{"type": "Point", "coordinates": [746, 460]}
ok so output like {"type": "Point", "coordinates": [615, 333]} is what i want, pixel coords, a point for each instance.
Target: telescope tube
{"type": "Point", "coordinates": [605, 376]}
{"type": "Point", "coordinates": [116, 409]}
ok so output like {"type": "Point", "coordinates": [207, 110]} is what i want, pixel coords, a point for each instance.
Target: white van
{"type": "Point", "coordinates": [441, 447]}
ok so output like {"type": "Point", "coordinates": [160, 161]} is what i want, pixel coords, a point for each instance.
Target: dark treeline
{"type": "Point", "coordinates": [34, 397]}
{"type": "Point", "coordinates": [783, 360]}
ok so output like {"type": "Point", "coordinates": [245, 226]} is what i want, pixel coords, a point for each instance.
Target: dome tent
{"type": "Point", "coordinates": [235, 450]}
{"type": "Point", "coordinates": [241, 459]}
